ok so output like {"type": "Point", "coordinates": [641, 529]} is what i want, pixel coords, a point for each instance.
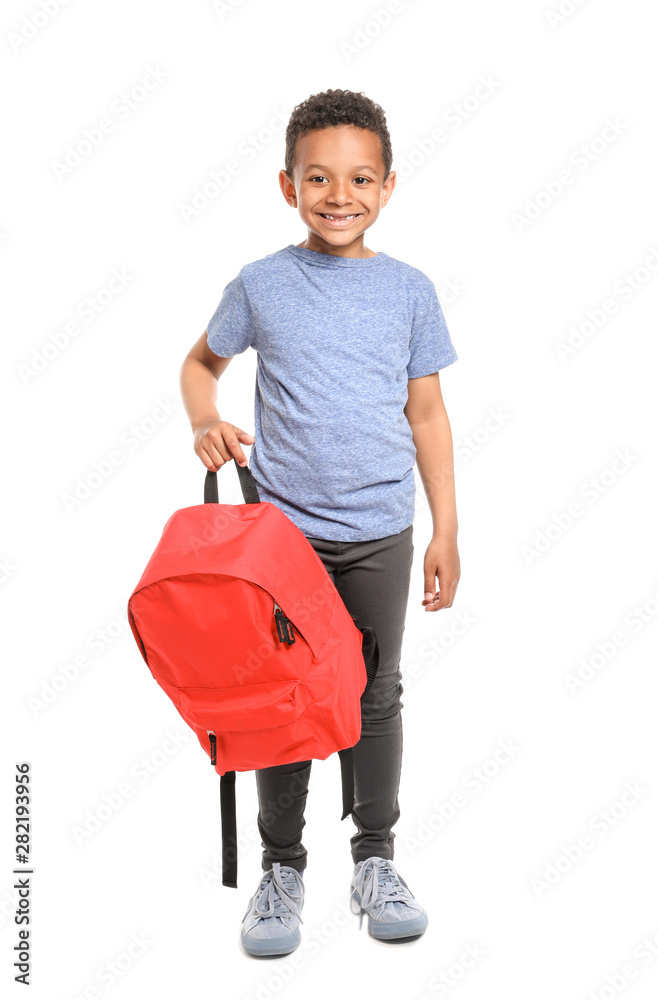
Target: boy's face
{"type": "Point", "coordinates": [338, 172]}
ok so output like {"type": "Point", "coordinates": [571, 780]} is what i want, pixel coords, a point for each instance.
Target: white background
{"type": "Point", "coordinates": [532, 620]}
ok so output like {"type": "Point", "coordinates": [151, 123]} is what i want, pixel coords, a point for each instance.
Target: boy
{"type": "Point", "coordinates": [349, 343]}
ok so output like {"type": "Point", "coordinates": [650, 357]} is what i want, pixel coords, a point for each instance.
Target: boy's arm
{"type": "Point", "coordinates": [216, 441]}
{"type": "Point", "coordinates": [430, 427]}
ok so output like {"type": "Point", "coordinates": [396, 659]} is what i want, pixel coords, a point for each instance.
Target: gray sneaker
{"type": "Point", "coordinates": [271, 924]}
{"type": "Point", "coordinates": [378, 890]}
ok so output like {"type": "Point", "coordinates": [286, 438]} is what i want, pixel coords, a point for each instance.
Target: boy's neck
{"type": "Point", "coordinates": [354, 249]}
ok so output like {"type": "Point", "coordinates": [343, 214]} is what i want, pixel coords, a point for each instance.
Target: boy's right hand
{"type": "Point", "coordinates": [218, 441]}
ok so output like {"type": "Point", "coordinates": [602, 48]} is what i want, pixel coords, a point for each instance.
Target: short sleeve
{"type": "Point", "coordinates": [231, 328]}
{"type": "Point", "coordinates": [430, 345]}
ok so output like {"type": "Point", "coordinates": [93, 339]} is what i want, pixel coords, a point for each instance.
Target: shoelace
{"type": "Point", "coordinates": [378, 883]}
{"type": "Point", "coordinates": [274, 899]}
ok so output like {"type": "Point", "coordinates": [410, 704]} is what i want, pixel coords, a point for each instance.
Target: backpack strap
{"type": "Point", "coordinates": [371, 659]}
{"type": "Point", "coordinates": [370, 656]}
{"type": "Point", "coordinates": [347, 780]}
{"type": "Point", "coordinates": [229, 830]}
{"type": "Point", "coordinates": [227, 780]}
{"type": "Point", "coordinates": [247, 482]}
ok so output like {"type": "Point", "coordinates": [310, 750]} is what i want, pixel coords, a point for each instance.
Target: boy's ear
{"type": "Point", "coordinates": [287, 187]}
{"type": "Point", "coordinates": [388, 187]}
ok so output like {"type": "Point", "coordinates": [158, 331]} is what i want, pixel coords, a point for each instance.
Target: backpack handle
{"type": "Point", "coordinates": [247, 483]}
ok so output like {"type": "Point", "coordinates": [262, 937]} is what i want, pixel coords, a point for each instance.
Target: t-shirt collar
{"type": "Point", "coordinates": [331, 260]}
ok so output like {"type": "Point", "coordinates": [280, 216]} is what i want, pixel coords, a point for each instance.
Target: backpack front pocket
{"type": "Point", "coordinates": [238, 709]}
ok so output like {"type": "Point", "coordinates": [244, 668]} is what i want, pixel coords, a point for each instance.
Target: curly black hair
{"type": "Point", "coordinates": [337, 107]}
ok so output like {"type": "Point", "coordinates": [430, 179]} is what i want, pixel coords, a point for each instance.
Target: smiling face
{"type": "Point", "coordinates": [338, 187]}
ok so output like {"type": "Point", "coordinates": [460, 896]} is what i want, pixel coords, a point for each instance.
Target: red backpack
{"type": "Point", "coordinates": [241, 625]}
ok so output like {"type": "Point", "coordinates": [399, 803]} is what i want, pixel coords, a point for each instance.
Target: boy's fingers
{"type": "Point", "coordinates": [235, 445]}
{"type": "Point", "coordinates": [210, 463]}
{"type": "Point", "coordinates": [216, 450]}
{"type": "Point", "coordinates": [435, 599]}
{"type": "Point", "coordinates": [236, 451]}
{"type": "Point", "coordinates": [219, 448]}
{"type": "Point", "coordinates": [445, 597]}
{"type": "Point", "coordinates": [430, 586]}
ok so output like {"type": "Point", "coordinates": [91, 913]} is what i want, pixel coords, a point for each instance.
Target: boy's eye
{"type": "Point", "coordinates": [320, 177]}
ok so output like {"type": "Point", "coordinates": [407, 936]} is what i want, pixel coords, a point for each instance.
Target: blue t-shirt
{"type": "Point", "coordinates": [337, 340]}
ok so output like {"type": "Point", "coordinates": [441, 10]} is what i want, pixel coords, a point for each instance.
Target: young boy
{"type": "Point", "coordinates": [350, 343]}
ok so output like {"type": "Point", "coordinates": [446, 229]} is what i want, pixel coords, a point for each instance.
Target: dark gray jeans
{"type": "Point", "coordinates": [373, 579]}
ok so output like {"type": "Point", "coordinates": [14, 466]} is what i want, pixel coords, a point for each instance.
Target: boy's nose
{"type": "Point", "coordinates": [339, 195]}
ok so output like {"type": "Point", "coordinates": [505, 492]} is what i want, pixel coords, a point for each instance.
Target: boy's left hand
{"type": "Point", "coordinates": [442, 561]}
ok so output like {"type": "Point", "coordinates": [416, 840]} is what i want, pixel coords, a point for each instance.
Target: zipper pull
{"type": "Point", "coordinates": [213, 747]}
{"type": "Point", "coordinates": [283, 626]}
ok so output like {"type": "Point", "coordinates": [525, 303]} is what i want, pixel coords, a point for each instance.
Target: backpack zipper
{"type": "Point", "coordinates": [213, 747]}
{"type": "Point", "coordinates": [283, 625]}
